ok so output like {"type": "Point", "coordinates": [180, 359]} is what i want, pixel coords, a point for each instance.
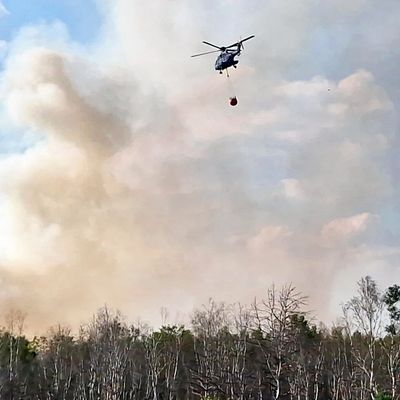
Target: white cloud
{"type": "Point", "coordinates": [3, 10]}
{"type": "Point", "coordinates": [268, 236]}
{"type": "Point", "coordinates": [3, 48]}
{"type": "Point", "coordinates": [292, 189]}
{"type": "Point", "coordinates": [343, 228]}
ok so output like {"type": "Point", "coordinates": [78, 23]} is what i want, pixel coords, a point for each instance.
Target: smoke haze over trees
{"type": "Point", "coordinates": [272, 349]}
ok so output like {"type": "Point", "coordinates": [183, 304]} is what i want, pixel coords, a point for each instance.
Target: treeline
{"type": "Point", "coordinates": [269, 350]}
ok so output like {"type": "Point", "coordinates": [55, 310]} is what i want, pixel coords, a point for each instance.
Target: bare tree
{"type": "Point", "coordinates": [363, 320]}
{"type": "Point", "coordinates": [153, 344]}
{"type": "Point", "coordinates": [238, 379]}
{"type": "Point", "coordinates": [211, 347]}
{"type": "Point", "coordinates": [108, 344]}
{"type": "Point", "coordinates": [273, 318]}
{"type": "Point", "coordinates": [14, 340]}
{"type": "Point", "coordinates": [57, 364]}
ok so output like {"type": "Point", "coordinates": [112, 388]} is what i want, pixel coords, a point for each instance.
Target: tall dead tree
{"type": "Point", "coordinates": [363, 320]}
{"type": "Point", "coordinates": [273, 318]}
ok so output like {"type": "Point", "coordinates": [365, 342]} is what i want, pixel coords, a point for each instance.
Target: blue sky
{"type": "Point", "coordinates": [82, 20]}
{"type": "Point", "coordinates": [81, 17]}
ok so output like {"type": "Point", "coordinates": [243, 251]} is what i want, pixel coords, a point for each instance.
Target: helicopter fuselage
{"type": "Point", "coordinates": [227, 56]}
{"type": "Point", "coordinates": [226, 59]}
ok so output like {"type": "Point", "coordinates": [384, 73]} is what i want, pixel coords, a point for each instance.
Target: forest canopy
{"type": "Point", "coordinates": [272, 349]}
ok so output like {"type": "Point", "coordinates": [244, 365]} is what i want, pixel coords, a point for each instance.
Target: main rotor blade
{"type": "Point", "coordinates": [208, 52]}
{"type": "Point", "coordinates": [250, 37]}
{"type": "Point", "coordinates": [240, 41]}
{"type": "Point", "coordinates": [213, 45]}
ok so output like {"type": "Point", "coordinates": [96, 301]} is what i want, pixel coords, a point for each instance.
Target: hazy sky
{"type": "Point", "coordinates": [127, 179]}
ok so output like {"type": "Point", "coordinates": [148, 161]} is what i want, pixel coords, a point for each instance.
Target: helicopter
{"type": "Point", "coordinates": [228, 53]}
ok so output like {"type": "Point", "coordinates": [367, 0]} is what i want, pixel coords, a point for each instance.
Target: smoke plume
{"type": "Point", "coordinates": [141, 188]}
